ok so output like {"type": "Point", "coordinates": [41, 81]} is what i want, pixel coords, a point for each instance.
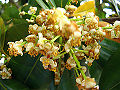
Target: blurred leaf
{"type": "Point", "coordinates": [85, 8]}
{"type": "Point", "coordinates": [110, 76]}
{"type": "Point", "coordinates": [10, 13]}
{"type": "Point", "coordinates": [42, 4]}
{"type": "Point", "coordinates": [2, 33]}
{"type": "Point", "coordinates": [19, 21]}
{"type": "Point", "coordinates": [61, 3]}
{"type": "Point", "coordinates": [68, 81]}
{"type": "Point", "coordinates": [12, 85]}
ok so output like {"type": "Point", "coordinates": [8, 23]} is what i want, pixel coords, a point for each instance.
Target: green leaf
{"type": "Point", "coordinates": [17, 31]}
{"type": "Point", "coordinates": [61, 3]}
{"type": "Point", "coordinates": [29, 70]}
{"type": "Point", "coordinates": [42, 4]}
{"type": "Point", "coordinates": [2, 33]}
{"type": "Point", "coordinates": [52, 2]}
{"type": "Point", "coordinates": [10, 13]}
{"type": "Point", "coordinates": [12, 85]}
{"type": "Point", "coordinates": [33, 3]}
{"type": "Point", "coordinates": [95, 71]}
{"type": "Point", "coordinates": [108, 47]}
{"type": "Point", "coordinates": [110, 78]}
{"type": "Point", "coordinates": [68, 81]}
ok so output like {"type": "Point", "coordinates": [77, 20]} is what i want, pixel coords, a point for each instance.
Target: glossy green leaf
{"type": "Point", "coordinates": [68, 81]}
{"type": "Point", "coordinates": [61, 3]}
{"type": "Point", "coordinates": [2, 33]}
{"type": "Point", "coordinates": [12, 85]}
{"type": "Point", "coordinates": [95, 71]}
{"type": "Point", "coordinates": [17, 31]}
{"type": "Point", "coordinates": [29, 70]}
{"type": "Point", "coordinates": [108, 47]}
{"type": "Point", "coordinates": [110, 78]}
{"type": "Point", "coordinates": [42, 4]}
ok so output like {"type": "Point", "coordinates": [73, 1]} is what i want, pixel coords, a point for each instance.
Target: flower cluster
{"type": "Point", "coordinates": [54, 35]}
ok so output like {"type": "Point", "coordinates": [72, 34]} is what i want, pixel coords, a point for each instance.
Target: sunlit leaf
{"type": "Point", "coordinates": [85, 8]}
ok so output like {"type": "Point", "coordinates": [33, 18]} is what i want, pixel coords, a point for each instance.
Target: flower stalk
{"type": "Point", "coordinates": [59, 55]}
{"type": "Point", "coordinates": [107, 27]}
{"type": "Point", "coordinates": [54, 39]}
{"type": "Point", "coordinates": [80, 50]}
{"type": "Point", "coordinates": [78, 63]}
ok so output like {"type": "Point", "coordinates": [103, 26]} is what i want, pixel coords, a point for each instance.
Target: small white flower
{"type": "Point", "coordinates": [30, 21]}
{"type": "Point", "coordinates": [116, 23]}
{"type": "Point", "coordinates": [96, 50]}
{"type": "Point", "coordinates": [32, 10]}
{"type": "Point", "coordinates": [22, 13]}
{"type": "Point", "coordinates": [90, 82]}
{"type": "Point", "coordinates": [77, 34]}
{"type": "Point", "coordinates": [17, 46]}
{"type": "Point", "coordinates": [29, 46]}
{"type": "Point", "coordinates": [71, 7]}
{"type": "Point", "coordinates": [79, 80]}
{"type": "Point", "coordinates": [90, 14]}
{"type": "Point", "coordinates": [41, 41]}
{"type": "Point", "coordinates": [2, 61]}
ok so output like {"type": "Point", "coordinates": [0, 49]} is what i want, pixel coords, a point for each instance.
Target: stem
{"type": "Point", "coordinates": [76, 19]}
{"type": "Point", "coordinates": [32, 68]}
{"type": "Point", "coordinates": [106, 27]}
{"type": "Point", "coordinates": [60, 40]}
{"type": "Point", "coordinates": [78, 23]}
{"type": "Point", "coordinates": [76, 71]}
{"type": "Point", "coordinates": [32, 15]}
{"type": "Point", "coordinates": [4, 52]}
{"type": "Point", "coordinates": [61, 3]}
{"type": "Point", "coordinates": [55, 39]}
{"type": "Point", "coordinates": [59, 64]}
{"type": "Point", "coordinates": [59, 55]}
{"type": "Point", "coordinates": [78, 64]}
{"type": "Point", "coordinates": [23, 43]}
{"type": "Point", "coordinates": [80, 50]}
